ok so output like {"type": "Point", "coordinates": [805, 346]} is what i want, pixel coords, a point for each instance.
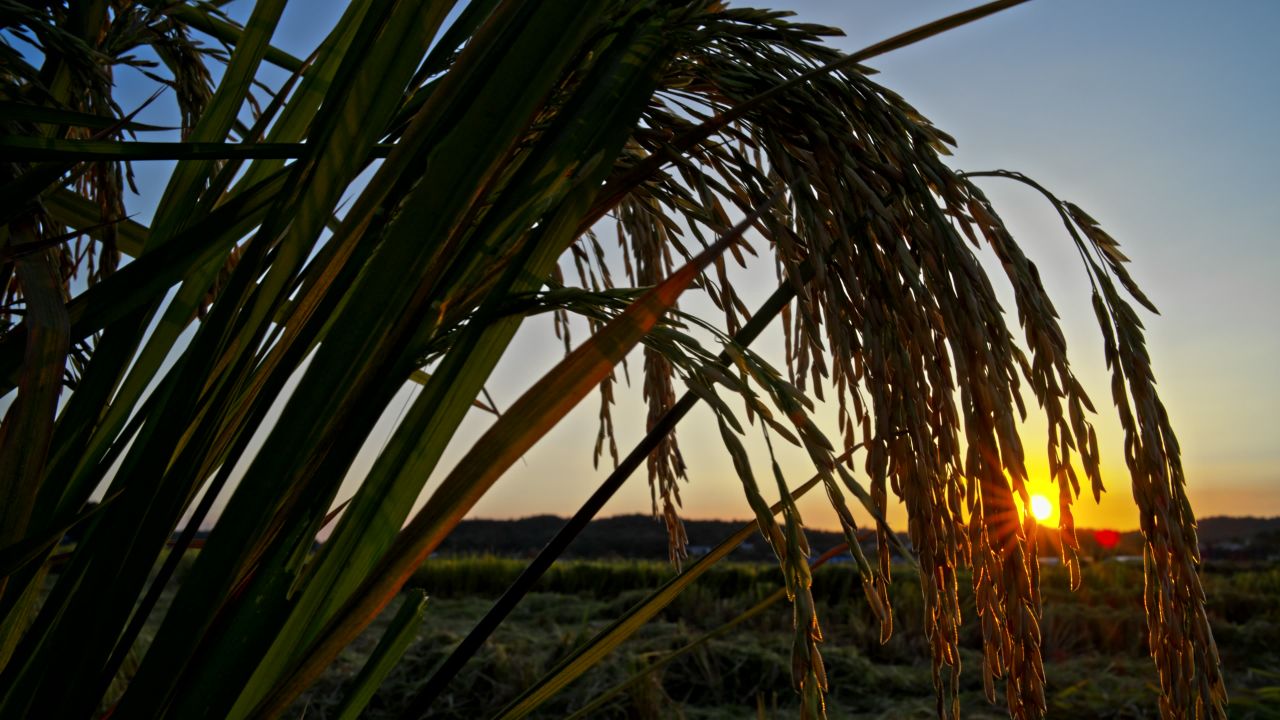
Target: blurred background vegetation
{"type": "Point", "coordinates": [1096, 658]}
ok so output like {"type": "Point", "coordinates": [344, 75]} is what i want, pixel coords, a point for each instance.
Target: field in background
{"type": "Point", "coordinates": [1094, 644]}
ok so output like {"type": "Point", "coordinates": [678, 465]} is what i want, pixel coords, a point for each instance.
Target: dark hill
{"type": "Point", "coordinates": [1235, 529]}
{"type": "Point", "coordinates": [631, 536]}
{"type": "Point", "coordinates": [641, 536]}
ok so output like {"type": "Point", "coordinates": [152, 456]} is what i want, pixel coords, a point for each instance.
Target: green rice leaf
{"type": "Point", "coordinates": [402, 631]}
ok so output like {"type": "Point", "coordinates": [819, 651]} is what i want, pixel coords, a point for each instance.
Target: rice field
{"type": "Point", "coordinates": [1097, 663]}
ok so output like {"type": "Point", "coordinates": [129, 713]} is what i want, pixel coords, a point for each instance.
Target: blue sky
{"type": "Point", "coordinates": [1156, 116]}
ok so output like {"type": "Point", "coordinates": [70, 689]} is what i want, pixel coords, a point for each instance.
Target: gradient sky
{"type": "Point", "coordinates": [1156, 116]}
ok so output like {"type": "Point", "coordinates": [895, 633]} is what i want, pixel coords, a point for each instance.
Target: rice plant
{"type": "Point", "coordinates": [489, 148]}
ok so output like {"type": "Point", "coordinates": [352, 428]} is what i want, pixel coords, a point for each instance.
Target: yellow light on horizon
{"type": "Point", "coordinates": [1041, 508]}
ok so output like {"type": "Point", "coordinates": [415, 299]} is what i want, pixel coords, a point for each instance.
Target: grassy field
{"type": "Point", "coordinates": [1094, 645]}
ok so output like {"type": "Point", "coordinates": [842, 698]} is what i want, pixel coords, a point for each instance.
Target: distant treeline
{"type": "Point", "coordinates": [643, 537]}
{"type": "Point", "coordinates": [622, 536]}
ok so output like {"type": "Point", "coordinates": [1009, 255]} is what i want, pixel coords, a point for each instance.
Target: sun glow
{"type": "Point", "coordinates": [1041, 508]}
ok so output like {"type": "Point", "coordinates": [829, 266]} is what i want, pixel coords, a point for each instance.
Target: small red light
{"type": "Point", "coordinates": [1107, 538]}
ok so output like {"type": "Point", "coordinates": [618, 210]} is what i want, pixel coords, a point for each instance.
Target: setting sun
{"type": "Point", "coordinates": [1041, 508]}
